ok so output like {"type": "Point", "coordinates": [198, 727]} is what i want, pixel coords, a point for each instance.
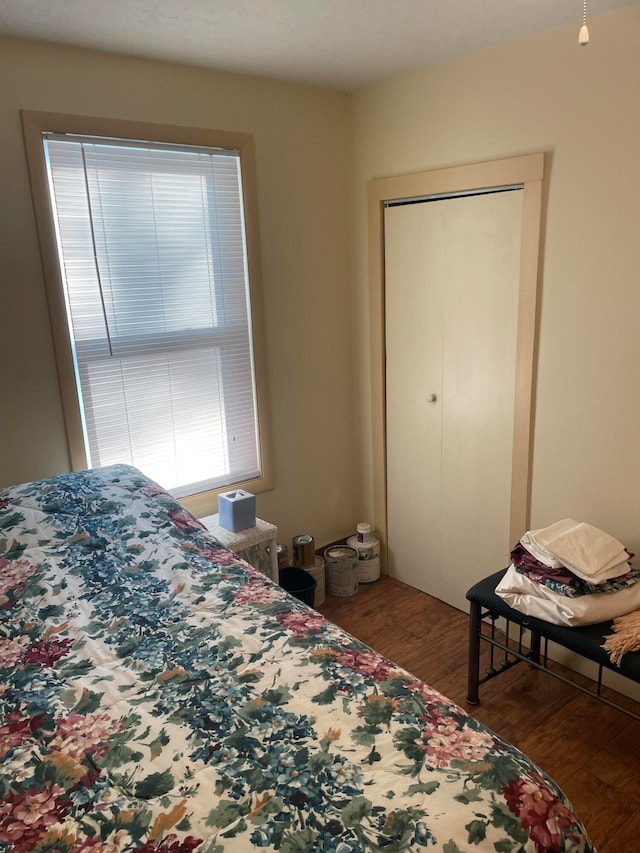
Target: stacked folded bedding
{"type": "Point", "coordinates": [571, 573]}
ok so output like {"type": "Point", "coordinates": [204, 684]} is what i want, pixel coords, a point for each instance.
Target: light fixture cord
{"type": "Point", "coordinates": [583, 37]}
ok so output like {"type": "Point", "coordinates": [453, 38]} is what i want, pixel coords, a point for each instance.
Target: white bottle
{"type": "Point", "coordinates": [368, 547]}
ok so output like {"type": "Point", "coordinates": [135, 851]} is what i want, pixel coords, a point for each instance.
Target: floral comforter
{"type": "Point", "coordinates": [158, 694]}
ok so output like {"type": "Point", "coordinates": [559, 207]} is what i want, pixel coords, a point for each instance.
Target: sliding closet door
{"type": "Point", "coordinates": [451, 298]}
{"type": "Point", "coordinates": [414, 336]}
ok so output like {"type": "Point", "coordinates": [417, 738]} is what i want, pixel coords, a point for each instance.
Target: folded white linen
{"type": "Point", "coordinates": [588, 552]}
{"type": "Point", "coordinates": [535, 599]}
{"type": "Point", "coordinates": [545, 556]}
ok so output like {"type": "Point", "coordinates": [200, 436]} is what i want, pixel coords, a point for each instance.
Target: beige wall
{"type": "Point", "coordinates": [301, 141]}
{"type": "Point", "coordinates": [582, 107]}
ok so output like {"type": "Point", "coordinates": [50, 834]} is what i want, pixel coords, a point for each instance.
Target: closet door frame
{"type": "Point", "coordinates": [527, 171]}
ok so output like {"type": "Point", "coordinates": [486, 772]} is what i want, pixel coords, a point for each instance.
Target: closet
{"type": "Point", "coordinates": [452, 271]}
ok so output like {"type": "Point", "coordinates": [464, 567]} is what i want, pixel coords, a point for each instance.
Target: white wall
{"type": "Point", "coordinates": [301, 142]}
{"type": "Point", "coordinates": [581, 107]}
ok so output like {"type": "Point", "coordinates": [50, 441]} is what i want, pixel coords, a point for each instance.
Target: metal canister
{"type": "Point", "coordinates": [318, 573]}
{"type": "Point", "coordinates": [368, 548]}
{"type": "Point", "coordinates": [283, 556]}
{"type": "Point", "coordinates": [341, 563]}
{"type": "Point", "coordinates": [303, 551]}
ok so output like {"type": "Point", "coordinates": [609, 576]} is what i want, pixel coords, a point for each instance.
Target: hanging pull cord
{"type": "Point", "coordinates": [583, 37]}
{"type": "Point", "coordinates": [95, 251]}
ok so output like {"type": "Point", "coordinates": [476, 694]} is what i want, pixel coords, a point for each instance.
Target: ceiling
{"type": "Point", "coordinates": [340, 44]}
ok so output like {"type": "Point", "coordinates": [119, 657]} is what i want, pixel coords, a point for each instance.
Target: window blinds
{"type": "Point", "coordinates": [153, 259]}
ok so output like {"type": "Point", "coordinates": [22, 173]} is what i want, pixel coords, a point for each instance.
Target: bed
{"type": "Point", "coordinates": [158, 694]}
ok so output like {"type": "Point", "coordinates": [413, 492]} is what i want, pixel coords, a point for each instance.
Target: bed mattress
{"type": "Point", "coordinates": [159, 694]}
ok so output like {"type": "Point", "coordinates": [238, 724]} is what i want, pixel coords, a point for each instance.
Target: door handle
{"type": "Point", "coordinates": [432, 398]}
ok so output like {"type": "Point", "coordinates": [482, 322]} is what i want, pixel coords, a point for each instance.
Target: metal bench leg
{"type": "Point", "coordinates": [534, 654]}
{"type": "Point", "coordinates": [475, 621]}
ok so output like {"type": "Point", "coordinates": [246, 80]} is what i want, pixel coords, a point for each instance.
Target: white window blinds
{"type": "Point", "coordinates": [153, 258]}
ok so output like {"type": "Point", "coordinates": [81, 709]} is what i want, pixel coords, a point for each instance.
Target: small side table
{"type": "Point", "coordinates": [257, 545]}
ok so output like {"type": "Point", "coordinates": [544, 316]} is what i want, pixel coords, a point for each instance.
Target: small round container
{"type": "Point", "coordinates": [318, 573]}
{"type": "Point", "coordinates": [303, 550]}
{"type": "Point", "coordinates": [368, 547]}
{"type": "Point", "coordinates": [341, 562]}
{"type": "Point", "coordinates": [283, 556]}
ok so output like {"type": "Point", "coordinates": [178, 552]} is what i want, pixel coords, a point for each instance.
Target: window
{"type": "Point", "coordinates": [155, 276]}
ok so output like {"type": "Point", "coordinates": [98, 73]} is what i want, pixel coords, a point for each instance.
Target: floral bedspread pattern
{"type": "Point", "coordinates": [157, 694]}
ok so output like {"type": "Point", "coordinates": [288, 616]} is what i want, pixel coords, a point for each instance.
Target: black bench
{"type": "Point", "coordinates": [487, 608]}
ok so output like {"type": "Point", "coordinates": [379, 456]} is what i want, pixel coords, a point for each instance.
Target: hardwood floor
{"type": "Point", "coordinates": [592, 751]}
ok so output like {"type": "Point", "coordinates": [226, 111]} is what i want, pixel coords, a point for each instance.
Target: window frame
{"type": "Point", "coordinates": [34, 125]}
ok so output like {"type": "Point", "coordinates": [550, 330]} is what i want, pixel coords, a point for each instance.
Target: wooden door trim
{"type": "Point", "coordinates": [527, 170]}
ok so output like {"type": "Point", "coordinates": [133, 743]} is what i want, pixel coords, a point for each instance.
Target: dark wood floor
{"type": "Point", "coordinates": [592, 751]}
